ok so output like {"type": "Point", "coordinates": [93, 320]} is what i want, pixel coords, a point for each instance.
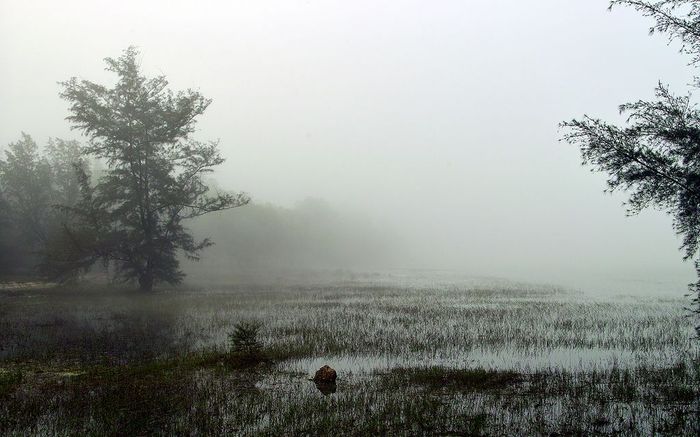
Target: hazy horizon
{"type": "Point", "coordinates": [435, 122]}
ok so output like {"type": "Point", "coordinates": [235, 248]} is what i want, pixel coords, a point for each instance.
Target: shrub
{"type": "Point", "coordinates": [244, 343]}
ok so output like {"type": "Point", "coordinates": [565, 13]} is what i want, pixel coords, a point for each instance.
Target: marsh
{"type": "Point", "coordinates": [325, 217]}
{"type": "Point", "coordinates": [505, 356]}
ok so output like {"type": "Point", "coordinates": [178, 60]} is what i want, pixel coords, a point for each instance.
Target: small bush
{"type": "Point", "coordinates": [244, 343]}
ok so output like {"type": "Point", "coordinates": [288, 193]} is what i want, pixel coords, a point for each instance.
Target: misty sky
{"type": "Point", "coordinates": [436, 119]}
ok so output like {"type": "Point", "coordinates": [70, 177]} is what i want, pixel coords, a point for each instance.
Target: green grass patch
{"type": "Point", "coordinates": [463, 379]}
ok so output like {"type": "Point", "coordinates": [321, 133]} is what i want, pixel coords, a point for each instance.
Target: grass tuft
{"type": "Point", "coordinates": [462, 379]}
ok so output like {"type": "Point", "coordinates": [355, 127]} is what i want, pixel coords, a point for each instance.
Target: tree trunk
{"type": "Point", "coordinates": [146, 281]}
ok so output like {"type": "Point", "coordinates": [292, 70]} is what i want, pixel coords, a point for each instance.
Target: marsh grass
{"type": "Point", "coordinates": [165, 400]}
{"type": "Point", "coordinates": [9, 380]}
{"type": "Point", "coordinates": [455, 379]}
{"type": "Point", "coordinates": [460, 360]}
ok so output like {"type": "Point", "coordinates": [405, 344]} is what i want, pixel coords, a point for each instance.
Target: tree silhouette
{"type": "Point", "coordinates": [655, 156]}
{"type": "Point", "coordinates": [133, 217]}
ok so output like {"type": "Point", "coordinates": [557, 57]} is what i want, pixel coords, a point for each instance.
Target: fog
{"type": "Point", "coordinates": [432, 126]}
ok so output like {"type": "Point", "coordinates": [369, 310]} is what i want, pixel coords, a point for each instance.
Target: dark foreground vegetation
{"type": "Point", "coordinates": [108, 362]}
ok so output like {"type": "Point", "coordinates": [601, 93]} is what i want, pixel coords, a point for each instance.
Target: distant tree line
{"type": "Point", "coordinates": [311, 236]}
{"type": "Point", "coordinates": [33, 184]}
{"type": "Point", "coordinates": [119, 202]}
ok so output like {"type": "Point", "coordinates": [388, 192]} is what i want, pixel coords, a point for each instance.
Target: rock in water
{"type": "Point", "coordinates": [325, 375]}
{"type": "Point", "coordinates": [326, 388]}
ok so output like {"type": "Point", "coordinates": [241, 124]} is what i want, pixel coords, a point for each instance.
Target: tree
{"type": "Point", "coordinates": [655, 156]}
{"type": "Point", "coordinates": [8, 251]}
{"type": "Point", "coordinates": [33, 187]}
{"type": "Point", "coordinates": [63, 157]}
{"type": "Point", "coordinates": [25, 181]}
{"type": "Point", "coordinates": [133, 216]}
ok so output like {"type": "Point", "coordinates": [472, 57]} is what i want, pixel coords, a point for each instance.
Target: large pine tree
{"type": "Point", "coordinates": [132, 217]}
